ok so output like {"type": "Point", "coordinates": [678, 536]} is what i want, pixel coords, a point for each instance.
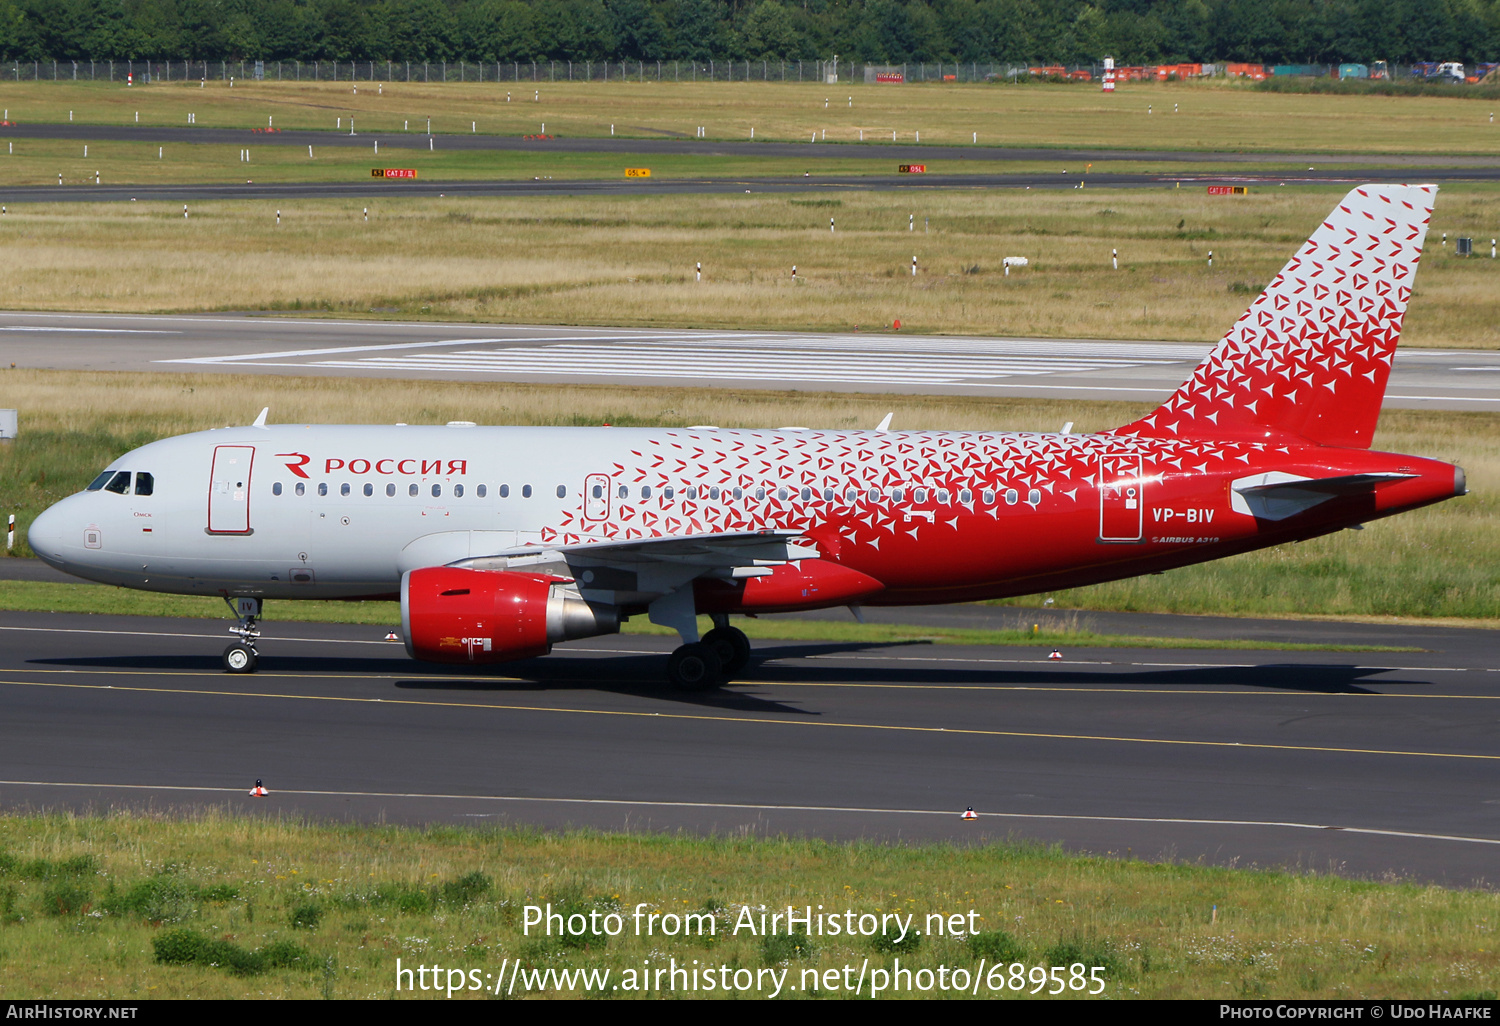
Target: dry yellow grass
{"type": "Point", "coordinates": [629, 260]}
{"type": "Point", "coordinates": [1218, 115]}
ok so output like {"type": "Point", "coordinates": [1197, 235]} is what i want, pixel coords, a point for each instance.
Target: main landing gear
{"type": "Point", "coordinates": [240, 656]}
{"type": "Point", "coordinates": [724, 652]}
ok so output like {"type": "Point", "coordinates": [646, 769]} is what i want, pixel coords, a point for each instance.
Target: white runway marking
{"type": "Point", "coordinates": [737, 807]}
{"type": "Point", "coordinates": [741, 356]}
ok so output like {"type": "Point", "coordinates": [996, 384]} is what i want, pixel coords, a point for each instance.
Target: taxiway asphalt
{"type": "Point", "coordinates": [1367, 764]}
{"type": "Point", "coordinates": [802, 361]}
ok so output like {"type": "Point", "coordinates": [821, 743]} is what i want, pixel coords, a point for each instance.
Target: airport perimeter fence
{"type": "Point", "coordinates": [831, 72]}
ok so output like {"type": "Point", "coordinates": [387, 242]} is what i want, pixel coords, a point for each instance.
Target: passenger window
{"type": "Point", "coordinates": [526, 491]}
{"type": "Point", "coordinates": [144, 483]}
{"type": "Point", "coordinates": [437, 490]}
{"type": "Point", "coordinates": [1011, 495]}
{"type": "Point", "coordinates": [898, 495]}
{"type": "Point", "coordinates": [807, 495]}
{"type": "Point", "coordinates": [919, 495]}
{"type": "Point", "coordinates": [344, 488]}
{"type": "Point", "coordinates": [480, 491]}
{"type": "Point", "coordinates": [562, 491]}
{"type": "Point", "coordinates": [739, 494]}
{"type": "Point", "coordinates": [827, 494]}
{"type": "Point", "coordinates": [390, 490]}
{"type": "Point", "coordinates": [276, 488]}
{"type": "Point", "coordinates": [624, 492]}
{"type": "Point", "coordinates": [369, 489]}
{"type": "Point", "coordinates": [965, 496]}
{"type": "Point", "coordinates": [668, 492]}
{"type": "Point", "coordinates": [989, 495]}
{"type": "Point", "coordinates": [850, 494]}
{"type": "Point", "coordinates": [760, 494]}
{"type": "Point", "coordinates": [874, 495]}
{"type": "Point", "coordinates": [713, 492]}
{"type": "Point", "coordinates": [322, 487]}
{"type": "Point", "coordinates": [458, 491]}
{"type": "Point", "coordinates": [645, 491]}
{"type": "Point", "coordinates": [120, 483]}
{"type": "Point", "coordinates": [412, 490]}
{"type": "Point", "coordinates": [599, 492]}
{"type": "Point", "coordinates": [781, 494]}
{"type": "Point", "coordinates": [301, 488]}
{"type": "Point", "coordinates": [1034, 497]}
{"type": "Point", "coordinates": [505, 491]}
{"type": "Point", "coordinates": [100, 481]}
{"type": "Point", "coordinates": [942, 495]}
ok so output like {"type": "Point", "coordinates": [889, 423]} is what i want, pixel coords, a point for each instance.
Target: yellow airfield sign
{"type": "Point", "coordinates": [637, 172]}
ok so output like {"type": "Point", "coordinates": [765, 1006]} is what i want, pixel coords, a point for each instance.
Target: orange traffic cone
{"type": "Point", "coordinates": [969, 813]}
{"type": "Point", "coordinates": [1055, 654]}
{"type": "Point", "coordinates": [259, 790]}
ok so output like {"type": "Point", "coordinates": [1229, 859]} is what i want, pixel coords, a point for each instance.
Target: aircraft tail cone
{"type": "Point", "coordinates": [259, 790]}
{"type": "Point", "coordinates": [1056, 654]}
{"type": "Point", "coordinates": [969, 813]}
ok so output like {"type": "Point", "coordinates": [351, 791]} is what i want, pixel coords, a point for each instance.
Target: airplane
{"type": "Point", "coordinates": [500, 542]}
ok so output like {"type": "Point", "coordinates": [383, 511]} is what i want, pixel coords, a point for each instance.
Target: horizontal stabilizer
{"type": "Point", "coordinates": [1277, 496]}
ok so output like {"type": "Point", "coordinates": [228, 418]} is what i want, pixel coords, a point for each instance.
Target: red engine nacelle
{"type": "Point", "coordinates": [452, 615]}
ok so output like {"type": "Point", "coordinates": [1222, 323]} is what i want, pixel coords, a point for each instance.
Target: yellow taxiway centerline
{"type": "Point", "coordinates": [763, 721]}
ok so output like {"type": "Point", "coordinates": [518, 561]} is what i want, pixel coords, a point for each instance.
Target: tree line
{"type": "Point", "coordinates": [871, 31]}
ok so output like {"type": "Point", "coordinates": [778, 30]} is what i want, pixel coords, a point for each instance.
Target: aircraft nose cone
{"type": "Point", "coordinates": [45, 536]}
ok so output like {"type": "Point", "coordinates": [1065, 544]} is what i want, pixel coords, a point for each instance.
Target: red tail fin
{"type": "Point", "coordinates": [1311, 356]}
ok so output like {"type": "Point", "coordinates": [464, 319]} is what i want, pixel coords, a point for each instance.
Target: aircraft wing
{"type": "Point", "coordinates": [1277, 496]}
{"type": "Point", "coordinates": [639, 569]}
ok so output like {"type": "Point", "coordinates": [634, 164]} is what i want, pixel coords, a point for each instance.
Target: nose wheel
{"type": "Point", "coordinates": [240, 656]}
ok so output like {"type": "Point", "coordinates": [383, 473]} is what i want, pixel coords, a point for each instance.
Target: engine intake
{"type": "Point", "coordinates": [451, 615]}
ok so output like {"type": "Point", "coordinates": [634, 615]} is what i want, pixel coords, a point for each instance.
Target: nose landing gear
{"type": "Point", "coordinates": [240, 656]}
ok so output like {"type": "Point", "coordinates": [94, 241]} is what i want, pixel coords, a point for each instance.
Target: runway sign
{"type": "Point", "coordinates": [912, 169]}
{"type": "Point", "coordinates": [637, 172]}
{"type": "Point", "coordinates": [1227, 190]}
{"type": "Point", "coordinates": [393, 172]}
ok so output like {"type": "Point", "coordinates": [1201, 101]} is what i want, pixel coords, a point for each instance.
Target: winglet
{"type": "Point", "coordinates": [885, 425]}
{"type": "Point", "coordinates": [261, 420]}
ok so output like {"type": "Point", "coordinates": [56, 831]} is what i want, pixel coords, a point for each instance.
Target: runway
{"type": "Point", "coordinates": [1364, 764]}
{"type": "Point", "coordinates": [867, 362]}
{"type": "Point", "coordinates": [379, 188]}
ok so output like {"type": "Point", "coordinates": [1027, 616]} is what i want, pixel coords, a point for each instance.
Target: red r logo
{"type": "Point", "coordinates": [295, 466]}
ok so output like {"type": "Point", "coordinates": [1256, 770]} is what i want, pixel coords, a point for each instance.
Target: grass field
{"type": "Point", "coordinates": [1441, 561]}
{"type": "Point", "coordinates": [222, 906]}
{"type": "Point", "coordinates": [40, 162]}
{"type": "Point", "coordinates": [1209, 116]}
{"type": "Point", "coordinates": [628, 260]}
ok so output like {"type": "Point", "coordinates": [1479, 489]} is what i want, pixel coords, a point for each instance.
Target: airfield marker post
{"type": "Point", "coordinates": [10, 532]}
{"type": "Point", "coordinates": [1114, 259]}
{"type": "Point", "coordinates": [1210, 258]}
{"type": "Point", "coordinates": [911, 222]}
{"type": "Point", "coordinates": [698, 274]}
{"type": "Point", "coordinates": [278, 219]}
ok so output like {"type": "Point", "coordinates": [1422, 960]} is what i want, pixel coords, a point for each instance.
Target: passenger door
{"type": "Point", "coordinates": [229, 490]}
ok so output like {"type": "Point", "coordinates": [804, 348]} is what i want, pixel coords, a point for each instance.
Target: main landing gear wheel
{"type": "Point", "coordinates": [695, 667]}
{"type": "Point", "coordinates": [239, 658]}
{"type": "Point", "coordinates": [732, 648]}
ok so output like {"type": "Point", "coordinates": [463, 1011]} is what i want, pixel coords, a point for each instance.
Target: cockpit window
{"type": "Point", "coordinates": [120, 483]}
{"type": "Point", "coordinates": [100, 481]}
{"type": "Point", "coordinates": [144, 483]}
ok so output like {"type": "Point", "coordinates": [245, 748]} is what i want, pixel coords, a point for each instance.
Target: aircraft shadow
{"type": "Point", "coordinates": [641, 675]}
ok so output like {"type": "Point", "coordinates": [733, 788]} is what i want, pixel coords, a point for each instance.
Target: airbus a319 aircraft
{"type": "Point", "coordinates": [503, 541]}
